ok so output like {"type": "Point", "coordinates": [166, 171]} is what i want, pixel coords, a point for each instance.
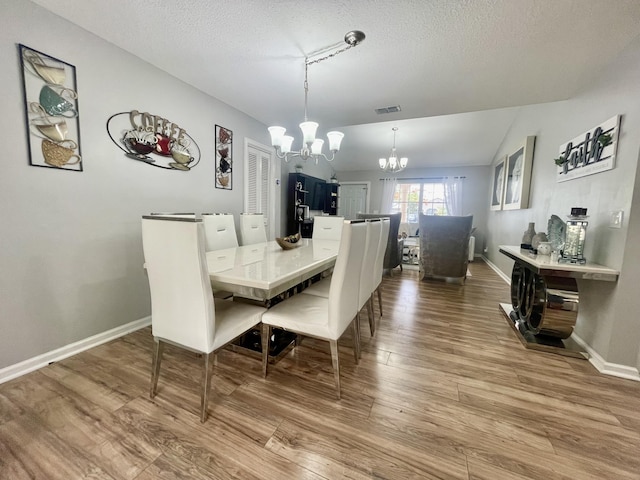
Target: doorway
{"type": "Point", "coordinates": [260, 188]}
{"type": "Point", "coordinates": [353, 197]}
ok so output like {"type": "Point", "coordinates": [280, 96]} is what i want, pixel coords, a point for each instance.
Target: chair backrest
{"type": "Point", "coordinates": [252, 228]}
{"type": "Point", "coordinates": [444, 245]}
{"type": "Point", "coordinates": [374, 226]}
{"type": "Point", "coordinates": [345, 281]}
{"type": "Point", "coordinates": [182, 308]}
{"type": "Point", "coordinates": [382, 247]}
{"type": "Point", "coordinates": [219, 231]}
{"type": "Point", "coordinates": [175, 215]}
{"type": "Point", "coordinates": [393, 253]}
{"type": "Point", "coordinates": [327, 227]}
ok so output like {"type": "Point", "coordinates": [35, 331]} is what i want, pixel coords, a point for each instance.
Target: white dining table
{"type": "Point", "coordinates": [264, 270]}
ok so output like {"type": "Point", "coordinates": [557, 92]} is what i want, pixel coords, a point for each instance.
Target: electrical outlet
{"type": "Point", "coordinates": [615, 219]}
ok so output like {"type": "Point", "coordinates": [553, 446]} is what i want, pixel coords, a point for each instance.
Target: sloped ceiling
{"type": "Point", "coordinates": [437, 59]}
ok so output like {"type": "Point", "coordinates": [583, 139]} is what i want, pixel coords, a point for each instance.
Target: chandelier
{"type": "Point", "coordinates": [312, 146]}
{"type": "Point", "coordinates": [391, 164]}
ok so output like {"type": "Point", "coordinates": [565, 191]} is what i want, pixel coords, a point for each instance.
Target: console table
{"type": "Point", "coordinates": [545, 299]}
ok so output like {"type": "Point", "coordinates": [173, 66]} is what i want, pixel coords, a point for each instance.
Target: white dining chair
{"type": "Point", "coordinates": [379, 267]}
{"type": "Point", "coordinates": [325, 318]}
{"type": "Point", "coordinates": [367, 277]}
{"type": "Point", "coordinates": [374, 227]}
{"type": "Point", "coordinates": [327, 227]}
{"type": "Point", "coordinates": [219, 231]}
{"type": "Point", "coordinates": [183, 310]}
{"type": "Point", "coordinates": [252, 229]}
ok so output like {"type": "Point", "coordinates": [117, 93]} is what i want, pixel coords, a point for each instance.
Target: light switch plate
{"type": "Point", "coordinates": [615, 219]}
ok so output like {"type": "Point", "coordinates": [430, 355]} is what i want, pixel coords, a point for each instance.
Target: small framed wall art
{"type": "Point", "coordinates": [51, 110]}
{"type": "Point", "coordinates": [518, 176]}
{"type": "Point", "coordinates": [497, 189]}
{"type": "Point", "coordinates": [224, 158]}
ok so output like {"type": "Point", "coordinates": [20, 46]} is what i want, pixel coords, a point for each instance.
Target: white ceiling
{"type": "Point", "coordinates": [437, 59]}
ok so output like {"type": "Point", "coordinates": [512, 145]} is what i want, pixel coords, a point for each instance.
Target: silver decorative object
{"type": "Point", "coordinates": [576, 232]}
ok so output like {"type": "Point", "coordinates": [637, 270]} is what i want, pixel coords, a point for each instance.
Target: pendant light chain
{"type": "Point", "coordinates": [306, 89]}
{"type": "Point", "coordinates": [326, 57]}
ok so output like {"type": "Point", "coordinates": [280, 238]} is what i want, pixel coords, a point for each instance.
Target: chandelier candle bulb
{"type": "Point", "coordinates": [316, 146]}
{"type": "Point", "coordinates": [335, 139]}
{"type": "Point", "coordinates": [308, 132]}
{"type": "Point", "coordinates": [276, 135]}
{"type": "Point", "coordinates": [287, 141]}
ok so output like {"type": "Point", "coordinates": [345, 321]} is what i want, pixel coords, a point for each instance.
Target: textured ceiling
{"type": "Point", "coordinates": [433, 58]}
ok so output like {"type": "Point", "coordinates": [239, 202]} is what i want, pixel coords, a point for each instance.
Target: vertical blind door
{"type": "Point", "coordinates": [258, 192]}
{"type": "Point", "coordinates": [252, 198]}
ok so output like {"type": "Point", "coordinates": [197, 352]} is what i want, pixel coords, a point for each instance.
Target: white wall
{"type": "Point", "coordinates": [475, 194]}
{"type": "Point", "coordinates": [71, 254]}
{"type": "Point", "coordinates": [608, 319]}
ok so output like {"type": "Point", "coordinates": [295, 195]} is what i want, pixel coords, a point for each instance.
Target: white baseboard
{"type": "Point", "coordinates": [26, 366]}
{"type": "Point", "coordinates": [607, 368]}
{"type": "Point", "coordinates": [495, 268]}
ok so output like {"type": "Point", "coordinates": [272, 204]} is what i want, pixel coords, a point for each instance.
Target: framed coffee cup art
{"type": "Point", "coordinates": [224, 158]}
{"type": "Point", "coordinates": [51, 110]}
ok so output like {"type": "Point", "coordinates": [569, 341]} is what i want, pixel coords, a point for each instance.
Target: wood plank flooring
{"type": "Point", "coordinates": [444, 390]}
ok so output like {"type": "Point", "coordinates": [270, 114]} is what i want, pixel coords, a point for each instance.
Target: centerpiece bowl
{"type": "Point", "coordinates": [290, 242]}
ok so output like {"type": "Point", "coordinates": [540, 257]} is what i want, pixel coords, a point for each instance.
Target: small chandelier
{"type": "Point", "coordinates": [391, 164]}
{"type": "Point", "coordinates": [312, 146]}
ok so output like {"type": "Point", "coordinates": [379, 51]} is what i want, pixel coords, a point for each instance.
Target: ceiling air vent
{"type": "Point", "coordinates": [392, 109]}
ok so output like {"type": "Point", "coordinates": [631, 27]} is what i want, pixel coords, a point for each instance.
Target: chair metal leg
{"type": "Point", "coordinates": [336, 364]}
{"type": "Point", "coordinates": [155, 366]}
{"type": "Point", "coordinates": [357, 324]}
{"type": "Point", "coordinates": [372, 320]}
{"type": "Point", "coordinates": [380, 300]}
{"type": "Point", "coordinates": [373, 309]}
{"type": "Point", "coordinates": [206, 386]}
{"type": "Point", "coordinates": [266, 338]}
{"type": "Point", "coordinates": [371, 302]}
{"type": "Point", "coordinates": [355, 333]}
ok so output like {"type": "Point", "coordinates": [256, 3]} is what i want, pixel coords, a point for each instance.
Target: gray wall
{"type": "Point", "coordinates": [71, 254]}
{"type": "Point", "coordinates": [608, 319]}
{"type": "Point", "coordinates": [475, 192]}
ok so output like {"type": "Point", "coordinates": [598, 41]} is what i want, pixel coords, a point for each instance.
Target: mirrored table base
{"type": "Point", "coordinates": [562, 346]}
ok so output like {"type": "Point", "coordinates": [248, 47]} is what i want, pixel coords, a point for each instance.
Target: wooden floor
{"type": "Point", "coordinates": [443, 391]}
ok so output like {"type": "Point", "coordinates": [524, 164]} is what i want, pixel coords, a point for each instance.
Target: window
{"type": "Point", "coordinates": [414, 198]}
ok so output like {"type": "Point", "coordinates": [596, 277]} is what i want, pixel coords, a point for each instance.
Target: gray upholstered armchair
{"type": "Point", "coordinates": [393, 254]}
{"type": "Point", "coordinates": [444, 246]}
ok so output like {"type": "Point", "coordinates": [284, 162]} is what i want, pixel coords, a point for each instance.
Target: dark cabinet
{"type": "Point", "coordinates": [331, 199]}
{"type": "Point", "coordinates": [307, 193]}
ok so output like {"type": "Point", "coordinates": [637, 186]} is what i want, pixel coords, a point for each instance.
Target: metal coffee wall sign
{"type": "Point", "coordinates": [154, 140]}
{"type": "Point", "coordinates": [592, 152]}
